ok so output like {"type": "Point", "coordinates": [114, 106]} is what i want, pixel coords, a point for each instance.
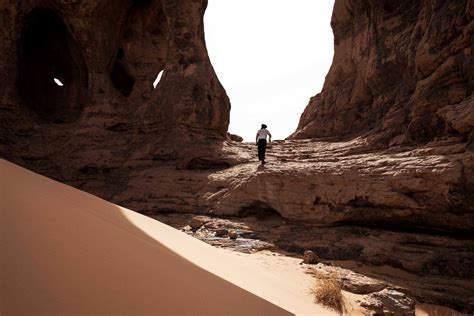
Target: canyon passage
{"type": "Point", "coordinates": [379, 170]}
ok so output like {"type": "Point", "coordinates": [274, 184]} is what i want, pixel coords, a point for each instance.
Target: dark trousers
{"type": "Point", "coordinates": [262, 148]}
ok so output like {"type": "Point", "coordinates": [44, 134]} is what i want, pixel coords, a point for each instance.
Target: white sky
{"type": "Point", "coordinates": [271, 56]}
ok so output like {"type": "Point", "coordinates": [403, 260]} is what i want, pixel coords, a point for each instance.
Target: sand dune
{"type": "Point", "coordinates": [68, 252]}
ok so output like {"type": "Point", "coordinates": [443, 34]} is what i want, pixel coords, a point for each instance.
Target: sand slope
{"type": "Point", "coordinates": [67, 252]}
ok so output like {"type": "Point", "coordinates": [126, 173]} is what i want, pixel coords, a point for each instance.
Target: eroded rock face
{"type": "Point", "coordinates": [107, 54]}
{"type": "Point", "coordinates": [402, 73]}
{"type": "Point", "coordinates": [107, 131]}
{"type": "Point", "coordinates": [326, 183]}
{"type": "Point", "coordinates": [402, 76]}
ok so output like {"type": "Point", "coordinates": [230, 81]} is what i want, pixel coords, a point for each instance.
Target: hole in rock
{"type": "Point", "coordinates": [120, 53]}
{"type": "Point", "coordinates": [58, 82]}
{"type": "Point", "coordinates": [50, 57]}
{"type": "Point", "coordinates": [157, 80]}
{"type": "Point", "coordinates": [121, 78]}
{"type": "Point", "coordinates": [260, 210]}
{"type": "Point", "coordinates": [142, 45]}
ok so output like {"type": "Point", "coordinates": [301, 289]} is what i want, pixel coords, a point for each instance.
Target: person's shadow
{"type": "Point", "coordinates": [261, 167]}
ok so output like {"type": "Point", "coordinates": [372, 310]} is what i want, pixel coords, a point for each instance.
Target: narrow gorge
{"type": "Point", "coordinates": [379, 171]}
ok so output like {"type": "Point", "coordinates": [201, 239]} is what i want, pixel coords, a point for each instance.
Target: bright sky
{"type": "Point", "coordinates": [271, 56]}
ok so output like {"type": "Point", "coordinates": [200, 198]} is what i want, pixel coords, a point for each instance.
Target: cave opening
{"type": "Point", "coordinates": [53, 74]}
{"type": "Point", "coordinates": [121, 77]}
{"type": "Point", "coordinates": [58, 82]}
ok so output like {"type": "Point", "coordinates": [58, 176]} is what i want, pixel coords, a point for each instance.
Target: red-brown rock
{"type": "Point", "coordinates": [396, 109]}
{"type": "Point", "coordinates": [107, 54]}
{"type": "Point", "coordinates": [309, 257]}
{"type": "Point", "coordinates": [398, 68]}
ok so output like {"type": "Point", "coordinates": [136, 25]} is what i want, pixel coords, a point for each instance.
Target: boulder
{"type": "Point", "coordinates": [197, 223]}
{"type": "Point", "coordinates": [222, 232]}
{"type": "Point", "coordinates": [389, 302]}
{"type": "Point", "coordinates": [309, 257]}
{"type": "Point", "coordinates": [235, 138]}
{"type": "Point", "coordinates": [233, 234]}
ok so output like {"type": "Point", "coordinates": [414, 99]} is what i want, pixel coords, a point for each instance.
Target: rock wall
{"type": "Point", "coordinates": [402, 73]}
{"type": "Point", "coordinates": [402, 70]}
{"type": "Point", "coordinates": [399, 93]}
{"type": "Point", "coordinates": [107, 54]}
{"type": "Point", "coordinates": [426, 188]}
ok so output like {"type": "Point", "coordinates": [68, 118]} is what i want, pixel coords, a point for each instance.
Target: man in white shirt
{"type": "Point", "coordinates": [261, 141]}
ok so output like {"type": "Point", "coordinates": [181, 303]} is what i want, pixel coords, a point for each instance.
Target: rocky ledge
{"type": "Point", "coordinates": [380, 169]}
{"type": "Point", "coordinates": [426, 187]}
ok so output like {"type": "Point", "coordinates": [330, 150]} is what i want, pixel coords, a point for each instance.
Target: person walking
{"type": "Point", "coordinates": [261, 141]}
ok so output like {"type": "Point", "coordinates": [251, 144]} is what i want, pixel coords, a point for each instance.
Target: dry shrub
{"type": "Point", "coordinates": [439, 311]}
{"type": "Point", "coordinates": [328, 292]}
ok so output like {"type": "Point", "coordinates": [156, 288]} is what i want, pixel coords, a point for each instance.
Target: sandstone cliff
{"type": "Point", "coordinates": [394, 123]}
{"type": "Point", "coordinates": [107, 54]}
{"type": "Point", "coordinates": [402, 73]}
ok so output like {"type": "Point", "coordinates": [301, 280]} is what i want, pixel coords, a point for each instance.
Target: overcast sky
{"type": "Point", "coordinates": [271, 56]}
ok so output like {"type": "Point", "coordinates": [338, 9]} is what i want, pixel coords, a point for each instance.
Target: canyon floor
{"type": "Point", "coordinates": [408, 208]}
{"type": "Point", "coordinates": [396, 220]}
{"type": "Point", "coordinates": [251, 209]}
{"type": "Point", "coordinates": [368, 289]}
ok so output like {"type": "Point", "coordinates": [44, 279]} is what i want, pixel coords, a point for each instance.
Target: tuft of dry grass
{"type": "Point", "coordinates": [328, 292]}
{"type": "Point", "coordinates": [440, 311]}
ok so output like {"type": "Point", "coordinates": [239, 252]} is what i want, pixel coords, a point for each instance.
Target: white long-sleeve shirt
{"type": "Point", "coordinates": [263, 133]}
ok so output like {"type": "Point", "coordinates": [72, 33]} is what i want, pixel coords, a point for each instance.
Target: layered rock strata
{"type": "Point", "coordinates": [402, 73]}
{"type": "Point", "coordinates": [326, 183]}
{"type": "Point", "coordinates": [109, 132]}
{"type": "Point", "coordinates": [399, 91]}
{"type": "Point", "coordinates": [107, 56]}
